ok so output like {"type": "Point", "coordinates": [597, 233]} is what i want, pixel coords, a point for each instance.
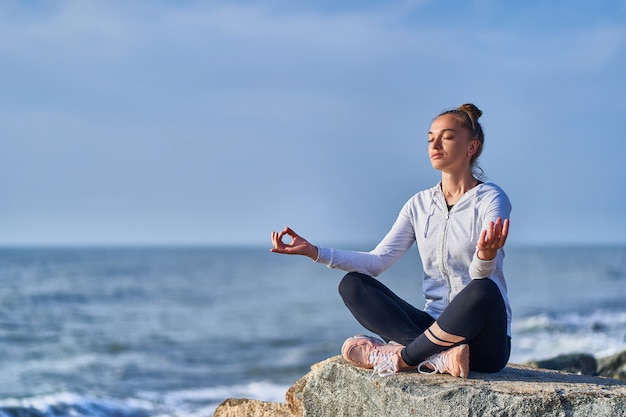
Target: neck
{"type": "Point", "coordinates": [455, 186]}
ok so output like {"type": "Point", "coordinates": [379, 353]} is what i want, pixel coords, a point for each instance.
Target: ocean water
{"type": "Point", "coordinates": [175, 331]}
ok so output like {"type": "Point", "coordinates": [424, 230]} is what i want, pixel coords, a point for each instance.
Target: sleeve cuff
{"type": "Point", "coordinates": [324, 255]}
{"type": "Point", "coordinates": [481, 268]}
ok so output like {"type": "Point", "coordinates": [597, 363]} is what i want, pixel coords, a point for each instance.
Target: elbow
{"type": "Point", "coordinates": [372, 272]}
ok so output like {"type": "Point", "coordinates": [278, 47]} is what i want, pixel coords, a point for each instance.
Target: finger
{"type": "Point", "coordinates": [279, 237]}
{"type": "Point", "coordinates": [275, 240]}
{"type": "Point", "coordinates": [292, 241]}
{"type": "Point", "coordinates": [490, 233]}
{"type": "Point", "coordinates": [279, 240]}
{"type": "Point", "coordinates": [505, 228]}
{"type": "Point", "coordinates": [482, 239]}
{"type": "Point", "coordinates": [275, 245]}
{"type": "Point", "coordinates": [505, 232]}
{"type": "Point", "coordinates": [498, 228]}
{"type": "Point", "coordinates": [289, 231]}
{"type": "Point", "coordinates": [497, 231]}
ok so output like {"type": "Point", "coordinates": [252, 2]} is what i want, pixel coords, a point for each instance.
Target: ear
{"type": "Point", "coordinates": [473, 148]}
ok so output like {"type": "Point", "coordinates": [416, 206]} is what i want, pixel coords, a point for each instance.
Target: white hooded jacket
{"type": "Point", "coordinates": [446, 241]}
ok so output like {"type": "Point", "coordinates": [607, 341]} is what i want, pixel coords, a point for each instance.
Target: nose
{"type": "Point", "coordinates": [435, 143]}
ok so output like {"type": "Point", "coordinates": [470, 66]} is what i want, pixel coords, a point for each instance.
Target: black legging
{"type": "Point", "coordinates": [477, 314]}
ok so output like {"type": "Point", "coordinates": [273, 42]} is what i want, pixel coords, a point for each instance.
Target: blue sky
{"type": "Point", "coordinates": [217, 122]}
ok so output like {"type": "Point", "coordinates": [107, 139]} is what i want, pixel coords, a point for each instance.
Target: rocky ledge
{"type": "Point", "coordinates": [335, 388]}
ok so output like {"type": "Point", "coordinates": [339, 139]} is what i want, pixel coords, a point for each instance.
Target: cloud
{"type": "Point", "coordinates": [59, 29]}
{"type": "Point", "coordinates": [199, 111]}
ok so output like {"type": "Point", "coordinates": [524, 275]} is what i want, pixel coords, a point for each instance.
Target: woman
{"type": "Point", "coordinates": [460, 227]}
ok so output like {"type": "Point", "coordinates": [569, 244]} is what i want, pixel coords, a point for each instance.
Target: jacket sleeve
{"type": "Point", "coordinates": [496, 205]}
{"type": "Point", "coordinates": [480, 268]}
{"type": "Point", "coordinates": [395, 244]}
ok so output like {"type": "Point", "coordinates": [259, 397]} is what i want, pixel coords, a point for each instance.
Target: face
{"type": "Point", "coordinates": [450, 146]}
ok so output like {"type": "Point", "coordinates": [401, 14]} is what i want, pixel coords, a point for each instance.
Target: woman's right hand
{"type": "Point", "coordinates": [297, 246]}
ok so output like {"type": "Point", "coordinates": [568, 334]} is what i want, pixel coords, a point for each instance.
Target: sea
{"type": "Point", "coordinates": [174, 331]}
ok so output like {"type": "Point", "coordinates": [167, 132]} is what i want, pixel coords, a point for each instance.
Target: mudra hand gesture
{"type": "Point", "coordinates": [492, 239]}
{"type": "Point", "coordinates": [297, 246]}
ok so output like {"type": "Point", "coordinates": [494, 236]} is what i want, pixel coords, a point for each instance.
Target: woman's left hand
{"type": "Point", "coordinates": [492, 239]}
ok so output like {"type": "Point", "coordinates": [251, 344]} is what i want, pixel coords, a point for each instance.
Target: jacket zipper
{"type": "Point", "coordinates": [444, 237]}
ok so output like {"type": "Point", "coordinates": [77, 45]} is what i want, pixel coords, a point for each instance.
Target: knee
{"type": "Point", "coordinates": [350, 285]}
{"type": "Point", "coordinates": [482, 291]}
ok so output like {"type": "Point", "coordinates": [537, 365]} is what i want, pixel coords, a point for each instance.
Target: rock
{"type": "Point", "coordinates": [238, 407]}
{"type": "Point", "coordinates": [335, 388]}
{"type": "Point", "coordinates": [576, 363]}
{"type": "Point", "coordinates": [613, 366]}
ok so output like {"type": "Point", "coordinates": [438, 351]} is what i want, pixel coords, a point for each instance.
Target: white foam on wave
{"type": "Point", "coordinates": [599, 333]}
{"type": "Point", "coordinates": [200, 402]}
{"type": "Point", "coordinates": [42, 402]}
{"type": "Point", "coordinates": [196, 402]}
{"type": "Point", "coordinates": [594, 321]}
{"type": "Point", "coordinates": [74, 405]}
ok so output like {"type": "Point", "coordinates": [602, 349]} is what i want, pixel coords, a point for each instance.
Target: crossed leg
{"type": "Point", "coordinates": [475, 318]}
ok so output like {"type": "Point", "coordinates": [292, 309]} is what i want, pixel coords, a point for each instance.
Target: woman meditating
{"type": "Point", "coordinates": [460, 227]}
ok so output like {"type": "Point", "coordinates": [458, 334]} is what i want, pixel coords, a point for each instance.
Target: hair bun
{"type": "Point", "coordinates": [473, 112]}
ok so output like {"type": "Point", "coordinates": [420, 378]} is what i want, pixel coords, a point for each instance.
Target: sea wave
{"type": "Point", "coordinates": [541, 336]}
{"type": "Point", "coordinates": [69, 404]}
{"type": "Point", "coordinates": [198, 402]}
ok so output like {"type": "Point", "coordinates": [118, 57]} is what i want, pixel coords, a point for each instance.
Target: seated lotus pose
{"type": "Point", "coordinates": [460, 226]}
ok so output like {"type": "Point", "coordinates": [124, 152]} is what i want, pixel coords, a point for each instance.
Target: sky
{"type": "Point", "coordinates": [216, 122]}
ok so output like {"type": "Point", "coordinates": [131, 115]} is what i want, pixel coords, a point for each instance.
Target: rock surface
{"type": "Point", "coordinates": [577, 363]}
{"type": "Point", "coordinates": [613, 366]}
{"type": "Point", "coordinates": [335, 388]}
{"type": "Point", "coordinates": [238, 407]}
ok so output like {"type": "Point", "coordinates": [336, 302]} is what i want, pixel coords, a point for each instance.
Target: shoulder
{"type": "Point", "coordinates": [490, 188]}
{"type": "Point", "coordinates": [421, 200]}
{"type": "Point", "coordinates": [491, 193]}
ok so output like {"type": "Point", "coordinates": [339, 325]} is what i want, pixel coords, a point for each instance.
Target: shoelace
{"type": "Point", "coordinates": [383, 363]}
{"type": "Point", "coordinates": [437, 361]}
